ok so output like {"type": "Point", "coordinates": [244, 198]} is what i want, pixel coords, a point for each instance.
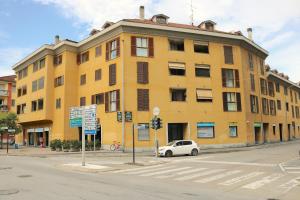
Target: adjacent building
{"type": "Point", "coordinates": [7, 92]}
{"type": "Point", "coordinates": [211, 86]}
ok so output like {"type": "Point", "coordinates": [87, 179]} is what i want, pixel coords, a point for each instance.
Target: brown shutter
{"type": "Point", "coordinates": [107, 51]}
{"type": "Point", "coordinates": [101, 101]}
{"type": "Point", "coordinates": [112, 74]}
{"type": "Point", "coordinates": [143, 100]}
{"type": "Point", "coordinates": [237, 78]}
{"type": "Point", "coordinates": [151, 47]}
{"type": "Point", "coordinates": [224, 77]}
{"type": "Point", "coordinates": [225, 107]}
{"type": "Point", "coordinates": [78, 59]}
{"type": "Point", "coordinates": [257, 104]}
{"type": "Point", "coordinates": [146, 100]}
{"type": "Point", "coordinates": [106, 102]}
{"type": "Point", "coordinates": [133, 46]}
{"type": "Point", "coordinates": [139, 99]}
{"type": "Point", "coordinates": [93, 99]}
{"type": "Point", "coordinates": [228, 54]}
{"type": "Point", "coordinates": [87, 55]}
{"type": "Point", "coordinates": [238, 100]}
{"type": "Point", "coordinates": [146, 73]}
{"type": "Point", "coordinates": [140, 72]}
{"type": "Point", "coordinates": [118, 46]}
{"type": "Point", "coordinates": [118, 100]}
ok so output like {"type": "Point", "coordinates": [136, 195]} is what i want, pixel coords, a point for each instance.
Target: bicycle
{"type": "Point", "coordinates": [115, 146]}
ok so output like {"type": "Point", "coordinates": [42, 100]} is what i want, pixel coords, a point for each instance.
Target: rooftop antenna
{"type": "Point", "coordinates": [192, 13]}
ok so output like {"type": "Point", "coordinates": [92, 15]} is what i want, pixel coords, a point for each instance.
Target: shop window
{"type": "Point", "coordinates": [205, 130]}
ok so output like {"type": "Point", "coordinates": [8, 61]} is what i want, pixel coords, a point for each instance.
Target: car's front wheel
{"type": "Point", "coordinates": [169, 153]}
{"type": "Point", "coordinates": [194, 152]}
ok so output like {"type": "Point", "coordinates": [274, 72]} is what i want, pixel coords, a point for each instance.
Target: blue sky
{"type": "Point", "coordinates": [25, 25]}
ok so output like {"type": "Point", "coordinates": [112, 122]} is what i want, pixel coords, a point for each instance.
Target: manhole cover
{"type": "Point", "coordinates": [25, 176]}
{"type": "Point", "coordinates": [5, 168]}
{"type": "Point", "coordinates": [9, 192]}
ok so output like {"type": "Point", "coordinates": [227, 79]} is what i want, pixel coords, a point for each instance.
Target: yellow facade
{"type": "Point", "coordinates": [55, 121]}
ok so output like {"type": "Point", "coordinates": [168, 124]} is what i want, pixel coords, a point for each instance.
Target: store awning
{"type": "Point", "coordinates": [176, 65]}
{"type": "Point", "coordinates": [205, 124]}
{"type": "Point", "coordinates": [204, 94]}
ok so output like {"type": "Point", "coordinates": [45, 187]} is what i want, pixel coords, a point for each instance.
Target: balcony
{"type": "Point", "coordinates": [4, 93]}
{"type": "Point", "coordinates": [3, 108]}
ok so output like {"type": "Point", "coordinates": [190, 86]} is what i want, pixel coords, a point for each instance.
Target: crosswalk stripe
{"type": "Point", "coordinates": [292, 167]}
{"type": "Point", "coordinates": [241, 178]}
{"type": "Point", "coordinates": [263, 181]}
{"type": "Point", "coordinates": [290, 184]}
{"type": "Point", "coordinates": [166, 171]}
{"type": "Point", "coordinates": [181, 173]}
{"type": "Point", "coordinates": [136, 169]}
{"type": "Point", "coordinates": [149, 170]}
{"type": "Point", "coordinates": [294, 172]}
{"type": "Point", "coordinates": [184, 178]}
{"type": "Point", "coordinates": [219, 176]}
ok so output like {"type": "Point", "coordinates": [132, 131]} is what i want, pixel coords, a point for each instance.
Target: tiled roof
{"type": "Point", "coordinates": [10, 78]}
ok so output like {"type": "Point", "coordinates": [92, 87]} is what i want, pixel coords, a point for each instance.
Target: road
{"type": "Point", "coordinates": [257, 173]}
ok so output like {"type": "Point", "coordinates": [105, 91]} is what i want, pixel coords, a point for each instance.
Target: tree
{"type": "Point", "coordinates": [9, 120]}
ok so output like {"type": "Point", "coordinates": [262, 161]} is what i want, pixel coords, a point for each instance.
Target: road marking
{"type": "Point", "coordinates": [165, 171]}
{"type": "Point", "coordinates": [281, 167]}
{"type": "Point", "coordinates": [292, 168]}
{"type": "Point", "coordinates": [297, 172]}
{"type": "Point", "coordinates": [139, 168]}
{"type": "Point", "coordinates": [290, 185]}
{"type": "Point", "coordinates": [189, 159]}
{"type": "Point", "coordinates": [149, 170]}
{"type": "Point", "coordinates": [184, 178]}
{"type": "Point", "coordinates": [181, 173]}
{"type": "Point", "coordinates": [263, 181]}
{"type": "Point", "coordinates": [219, 176]}
{"type": "Point", "coordinates": [241, 178]}
{"type": "Point", "coordinates": [236, 163]}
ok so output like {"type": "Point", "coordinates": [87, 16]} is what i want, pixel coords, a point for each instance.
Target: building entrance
{"type": "Point", "coordinates": [257, 134]}
{"type": "Point", "coordinates": [176, 131]}
{"type": "Point", "coordinates": [280, 132]}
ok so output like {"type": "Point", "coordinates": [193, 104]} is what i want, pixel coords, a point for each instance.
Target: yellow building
{"type": "Point", "coordinates": [211, 86]}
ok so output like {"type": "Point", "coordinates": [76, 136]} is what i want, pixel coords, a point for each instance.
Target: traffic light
{"type": "Point", "coordinates": [156, 123]}
{"type": "Point", "coordinates": [159, 123]}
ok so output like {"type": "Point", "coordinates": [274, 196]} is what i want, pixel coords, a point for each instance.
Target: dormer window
{"type": "Point", "coordinates": [208, 25]}
{"type": "Point", "coordinates": [160, 19]}
{"type": "Point", "coordinates": [107, 24]}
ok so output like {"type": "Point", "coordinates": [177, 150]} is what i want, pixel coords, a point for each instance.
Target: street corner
{"type": "Point", "coordinates": [88, 167]}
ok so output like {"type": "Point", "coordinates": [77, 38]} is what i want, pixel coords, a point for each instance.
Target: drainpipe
{"type": "Point", "coordinates": [123, 96]}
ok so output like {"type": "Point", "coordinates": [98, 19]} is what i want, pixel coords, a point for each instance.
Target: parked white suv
{"type": "Point", "coordinates": [179, 147]}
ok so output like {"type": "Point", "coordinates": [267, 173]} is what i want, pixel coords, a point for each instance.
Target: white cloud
{"type": "Point", "coordinates": [279, 39]}
{"type": "Point", "coordinates": [9, 56]}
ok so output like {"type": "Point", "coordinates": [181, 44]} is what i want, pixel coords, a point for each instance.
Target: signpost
{"type": "Point", "coordinates": [84, 117]}
{"type": "Point", "coordinates": [156, 124]}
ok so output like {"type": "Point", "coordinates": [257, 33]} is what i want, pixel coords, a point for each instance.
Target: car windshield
{"type": "Point", "coordinates": [171, 143]}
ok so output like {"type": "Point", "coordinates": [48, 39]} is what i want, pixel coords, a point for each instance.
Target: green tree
{"type": "Point", "coordinates": [9, 120]}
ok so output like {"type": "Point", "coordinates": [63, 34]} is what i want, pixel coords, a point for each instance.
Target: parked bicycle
{"type": "Point", "coordinates": [116, 146]}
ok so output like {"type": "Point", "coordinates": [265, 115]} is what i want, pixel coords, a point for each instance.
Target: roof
{"type": "Point", "coordinates": [296, 85]}
{"type": "Point", "coordinates": [10, 78]}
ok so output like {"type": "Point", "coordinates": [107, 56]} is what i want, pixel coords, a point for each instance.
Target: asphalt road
{"type": "Point", "coordinates": [262, 173]}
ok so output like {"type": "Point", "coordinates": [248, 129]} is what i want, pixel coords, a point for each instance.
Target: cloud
{"type": "Point", "coordinates": [279, 39]}
{"type": "Point", "coordinates": [9, 56]}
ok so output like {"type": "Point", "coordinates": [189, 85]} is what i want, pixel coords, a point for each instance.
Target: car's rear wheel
{"type": "Point", "coordinates": [169, 153]}
{"type": "Point", "coordinates": [194, 152]}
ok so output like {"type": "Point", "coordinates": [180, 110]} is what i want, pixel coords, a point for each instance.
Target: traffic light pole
{"type": "Point", "coordinates": [156, 144]}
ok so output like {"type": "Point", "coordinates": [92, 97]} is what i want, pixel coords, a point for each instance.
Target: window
{"type": "Point", "coordinates": [142, 73]}
{"type": "Point", "coordinates": [57, 60]}
{"type": "Point", "coordinates": [272, 107]}
{"type": "Point", "coordinates": [58, 103]}
{"type": "Point", "coordinates": [296, 99]}
{"type": "Point", "coordinates": [228, 54]}
{"type": "Point", "coordinates": [113, 49]}
{"type": "Point", "coordinates": [202, 70]}
{"type": "Point", "coordinates": [143, 132]}
{"type": "Point", "coordinates": [82, 101]}
{"type": "Point", "coordinates": [291, 93]}
{"type": "Point", "coordinates": [201, 47]}
{"type": "Point", "coordinates": [83, 57]}
{"type": "Point", "coordinates": [177, 69]}
{"type": "Point", "coordinates": [19, 92]}
{"type": "Point", "coordinates": [265, 106]}
{"type": "Point", "coordinates": [33, 106]}
{"type": "Point", "coordinates": [42, 63]}
{"type": "Point", "coordinates": [41, 83]}
{"type": "Point", "coordinates": [98, 99]}
{"type": "Point", "coordinates": [35, 66]}
{"type": "Point", "coordinates": [278, 104]}
{"type": "Point", "coordinates": [233, 130]}
{"type": "Point", "coordinates": [112, 101]}
{"type": "Point", "coordinates": [250, 59]}
{"type": "Point", "coordinates": [40, 104]}
{"type": "Point", "coordinates": [230, 78]}
{"type": "Point", "coordinates": [252, 81]}
{"type": "Point", "coordinates": [231, 101]}
{"type": "Point", "coordinates": [263, 86]}
{"type": "Point", "coordinates": [22, 73]}
{"type": "Point", "coordinates": [24, 90]}
{"type": "Point", "coordinates": [83, 79]}
{"type": "Point", "coordinates": [277, 85]}
{"type": "Point", "coordinates": [262, 67]}
{"type": "Point", "coordinates": [204, 95]}
{"type": "Point", "coordinates": [274, 129]}
{"type": "Point", "coordinates": [205, 130]}
{"type": "Point", "coordinates": [254, 104]}
{"type": "Point", "coordinates": [13, 103]}
{"type": "Point", "coordinates": [21, 108]}
{"type": "Point", "coordinates": [98, 51]}
{"type": "Point", "coordinates": [142, 46]}
{"type": "Point", "coordinates": [285, 90]}
{"type": "Point", "coordinates": [176, 44]}
{"type": "Point", "coordinates": [178, 94]}
{"type": "Point", "coordinates": [287, 106]}
{"type": "Point", "coordinates": [143, 99]}
{"type": "Point", "coordinates": [98, 74]}
{"type": "Point", "coordinates": [297, 112]}
{"type": "Point", "coordinates": [112, 74]}
{"type": "Point", "coordinates": [293, 113]}
{"type": "Point", "coordinates": [58, 81]}
{"type": "Point", "coordinates": [271, 89]}
{"type": "Point", "coordinates": [34, 86]}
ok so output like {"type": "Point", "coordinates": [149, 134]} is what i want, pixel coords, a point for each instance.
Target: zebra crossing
{"type": "Point", "coordinates": [220, 177]}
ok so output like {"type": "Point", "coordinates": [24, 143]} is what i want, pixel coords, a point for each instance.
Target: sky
{"type": "Point", "coordinates": [25, 25]}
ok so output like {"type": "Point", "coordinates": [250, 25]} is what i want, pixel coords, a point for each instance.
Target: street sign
{"type": "Point", "coordinates": [119, 116]}
{"type": "Point", "coordinates": [90, 120]}
{"type": "Point", "coordinates": [76, 117]}
{"type": "Point", "coordinates": [4, 128]}
{"type": "Point", "coordinates": [128, 116]}
{"type": "Point", "coordinates": [156, 111]}
{"type": "Point", "coordinates": [11, 130]}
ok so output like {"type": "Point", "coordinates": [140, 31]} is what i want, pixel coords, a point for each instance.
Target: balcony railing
{"type": "Point", "coordinates": [4, 93]}
{"type": "Point", "coordinates": [3, 108]}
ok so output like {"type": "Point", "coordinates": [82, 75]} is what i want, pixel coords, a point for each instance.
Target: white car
{"type": "Point", "coordinates": [179, 147]}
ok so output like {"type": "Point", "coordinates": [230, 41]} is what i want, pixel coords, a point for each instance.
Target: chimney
{"type": "Point", "coordinates": [249, 30]}
{"type": "Point", "coordinates": [56, 39]}
{"type": "Point", "coordinates": [142, 12]}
